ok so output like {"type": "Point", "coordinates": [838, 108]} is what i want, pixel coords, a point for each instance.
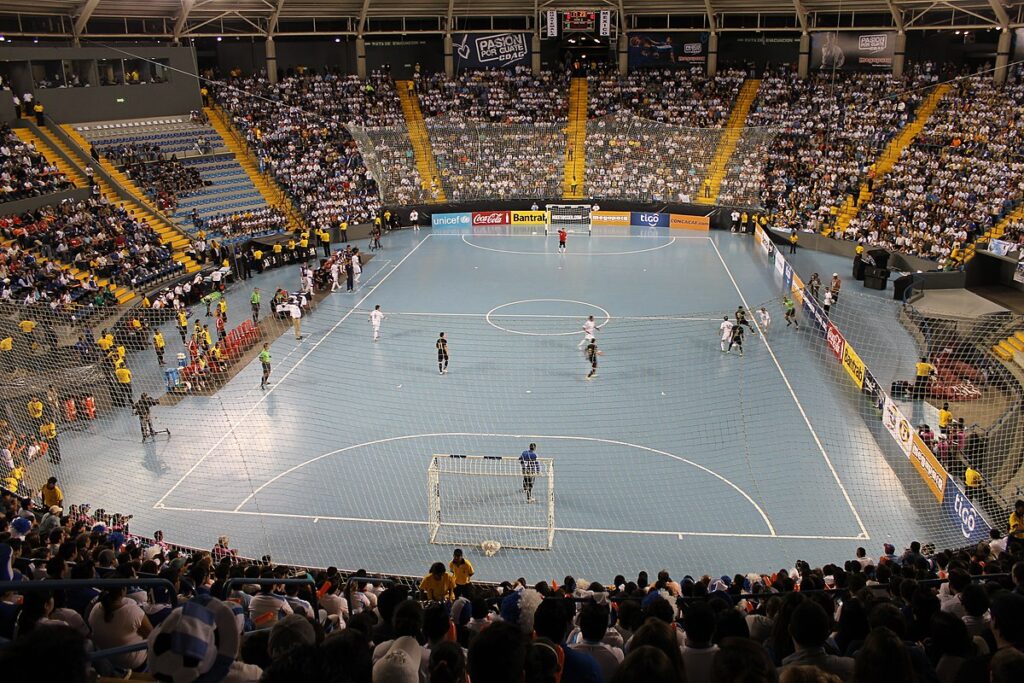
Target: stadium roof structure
{"type": "Point", "coordinates": [178, 19]}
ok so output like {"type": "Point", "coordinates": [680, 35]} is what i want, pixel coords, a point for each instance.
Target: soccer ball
{"type": "Point", "coordinates": [490, 548]}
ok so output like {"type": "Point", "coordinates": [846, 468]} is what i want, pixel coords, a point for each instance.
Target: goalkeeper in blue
{"type": "Point", "coordinates": [528, 461]}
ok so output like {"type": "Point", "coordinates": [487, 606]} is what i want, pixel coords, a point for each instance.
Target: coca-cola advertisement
{"type": "Point", "coordinates": [490, 218]}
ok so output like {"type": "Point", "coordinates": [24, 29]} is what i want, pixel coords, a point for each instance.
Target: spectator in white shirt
{"type": "Point", "coordinates": [593, 628]}
{"type": "Point", "coordinates": [117, 621]}
{"type": "Point", "coordinates": [699, 652]}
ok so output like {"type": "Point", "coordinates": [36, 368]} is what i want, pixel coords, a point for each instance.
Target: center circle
{"type": "Point", "coordinates": [607, 316]}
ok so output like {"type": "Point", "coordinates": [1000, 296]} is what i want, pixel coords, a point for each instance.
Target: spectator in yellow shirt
{"type": "Point", "coordinates": [462, 569]}
{"type": "Point", "coordinates": [945, 417]}
{"type": "Point", "coordinates": [438, 585]}
{"type": "Point", "coordinates": [51, 494]}
{"type": "Point", "coordinates": [1016, 535]}
{"type": "Point", "coordinates": [105, 342]}
{"type": "Point", "coordinates": [924, 371]}
{"type": "Point", "coordinates": [35, 408]}
{"type": "Point", "coordinates": [972, 478]}
{"type": "Point", "coordinates": [27, 326]}
{"type": "Point", "coordinates": [124, 385]}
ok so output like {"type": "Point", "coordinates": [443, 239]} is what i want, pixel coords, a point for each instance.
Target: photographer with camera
{"type": "Point", "coordinates": [142, 408]}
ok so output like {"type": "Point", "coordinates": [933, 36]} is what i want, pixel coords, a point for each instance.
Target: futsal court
{"type": "Point", "coordinates": [676, 455]}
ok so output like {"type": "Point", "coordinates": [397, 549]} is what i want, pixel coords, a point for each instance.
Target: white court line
{"type": "Point", "coordinates": [249, 392]}
{"type": "Point", "coordinates": [571, 253]}
{"type": "Point", "coordinates": [579, 530]}
{"type": "Point", "coordinates": [487, 317]}
{"type": "Point", "coordinates": [807, 421]}
{"type": "Point", "coordinates": [544, 315]}
{"type": "Point", "coordinates": [768, 523]}
{"type": "Point", "coordinates": [231, 429]}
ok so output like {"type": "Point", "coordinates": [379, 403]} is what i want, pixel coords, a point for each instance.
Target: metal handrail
{"type": "Point", "coordinates": [65, 584]}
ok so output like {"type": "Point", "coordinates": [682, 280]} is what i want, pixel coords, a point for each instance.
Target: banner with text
{"type": "Point", "coordinates": [490, 50]}
{"type": "Point", "coordinates": [852, 51]}
{"type": "Point", "coordinates": [659, 49]}
{"type": "Point", "coordinates": [960, 513]}
{"type": "Point", "coordinates": [609, 218]}
{"type": "Point", "coordinates": [687, 222]}
{"type": "Point", "coordinates": [645, 219]}
{"type": "Point", "coordinates": [451, 221]}
{"type": "Point", "coordinates": [529, 217]}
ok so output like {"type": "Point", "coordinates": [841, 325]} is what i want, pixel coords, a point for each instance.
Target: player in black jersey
{"type": "Point", "coordinates": [737, 338]}
{"type": "Point", "coordinates": [442, 354]}
{"type": "Point", "coordinates": [591, 353]}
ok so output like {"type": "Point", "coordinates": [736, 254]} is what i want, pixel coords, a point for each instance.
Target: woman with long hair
{"type": "Point", "coordinates": [116, 620]}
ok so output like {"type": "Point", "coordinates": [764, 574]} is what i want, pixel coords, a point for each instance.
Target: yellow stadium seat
{"type": "Point", "coordinates": [1001, 352]}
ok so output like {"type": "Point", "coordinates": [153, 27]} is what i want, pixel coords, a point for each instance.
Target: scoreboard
{"type": "Point", "coordinates": [577, 21]}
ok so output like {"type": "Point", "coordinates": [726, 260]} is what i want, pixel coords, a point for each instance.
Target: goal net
{"type": "Point", "coordinates": [478, 498]}
{"type": "Point", "coordinates": [573, 218]}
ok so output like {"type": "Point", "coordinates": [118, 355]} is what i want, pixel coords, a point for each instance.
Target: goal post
{"type": "Point", "coordinates": [573, 218]}
{"type": "Point", "coordinates": [476, 498]}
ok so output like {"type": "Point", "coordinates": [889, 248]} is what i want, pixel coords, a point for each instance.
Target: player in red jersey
{"type": "Point", "coordinates": [562, 236]}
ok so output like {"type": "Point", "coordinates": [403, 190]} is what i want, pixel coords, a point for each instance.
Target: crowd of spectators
{"type": "Point", "coordinates": [955, 616]}
{"type": "Point", "coordinates": [959, 177]}
{"type": "Point", "coordinates": [498, 160]}
{"type": "Point", "coordinates": [632, 158]}
{"type": "Point", "coordinates": [653, 133]}
{"type": "Point", "coordinates": [298, 130]}
{"type": "Point", "coordinates": [683, 97]}
{"type": "Point", "coordinates": [164, 179]}
{"type": "Point", "coordinates": [495, 132]}
{"type": "Point", "coordinates": [828, 131]}
{"type": "Point", "coordinates": [513, 95]}
{"type": "Point", "coordinates": [24, 172]}
{"type": "Point", "coordinates": [251, 222]}
{"type": "Point", "coordinates": [389, 154]}
{"type": "Point", "coordinates": [92, 234]}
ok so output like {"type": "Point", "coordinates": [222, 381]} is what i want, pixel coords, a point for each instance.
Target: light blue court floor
{"type": "Point", "coordinates": [675, 456]}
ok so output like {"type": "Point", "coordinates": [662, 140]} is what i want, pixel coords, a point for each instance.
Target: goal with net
{"type": "Point", "coordinates": [573, 218]}
{"type": "Point", "coordinates": [478, 498]}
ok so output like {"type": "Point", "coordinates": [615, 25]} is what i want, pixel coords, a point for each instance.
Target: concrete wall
{"type": "Point", "coordinates": [33, 203]}
{"type": "Point", "coordinates": [7, 113]}
{"type": "Point", "coordinates": [897, 261]}
{"type": "Point", "coordinates": [987, 269]}
{"type": "Point", "coordinates": [179, 95]}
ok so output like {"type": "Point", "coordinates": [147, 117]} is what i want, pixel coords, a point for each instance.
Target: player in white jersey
{"type": "Point", "coordinates": [726, 329]}
{"type": "Point", "coordinates": [335, 275]}
{"type": "Point", "coordinates": [376, 316]}
{"type": "Point", "coordinates": [589, 327]}
{"type": "Point", "coordinates": [764, 318]}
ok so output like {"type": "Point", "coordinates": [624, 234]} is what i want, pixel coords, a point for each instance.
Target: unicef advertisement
{"type": "Point", "coordinates": [490, 50]}
{"type": "Point", "coordinates": [852, 51]}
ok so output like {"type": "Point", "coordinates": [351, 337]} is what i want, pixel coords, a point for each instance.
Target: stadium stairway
{"type": "Point", "coordinates": [727, 143]}
{"type": "Point", "coordinates": [272, 194]}
{"type": "Point", "coordinates": [574, 178]}
{"type": "Point", "coordinates": [890, 155]}
{"type": "Point", "coordinates": [73, 173]}
{"type": "Point", "coordinates": [994, 233]}
{"type": "Point", "coordinates": [170, 235]}
{"type": "Point", "coordinates": [420, 140]}
{"type": "Point", "coordinates": [1009, 348]}
{"type": "Point", "coordinates": [48, 147]}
